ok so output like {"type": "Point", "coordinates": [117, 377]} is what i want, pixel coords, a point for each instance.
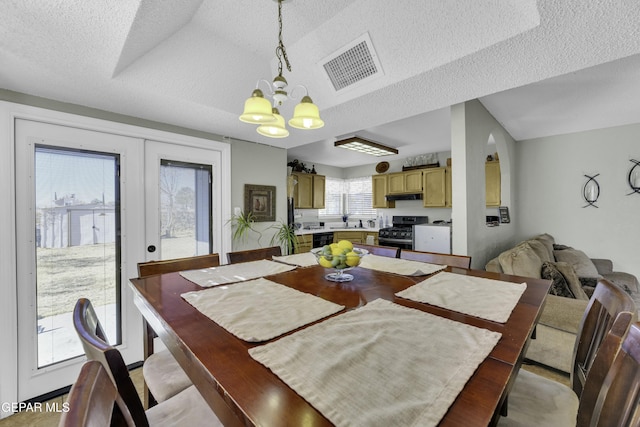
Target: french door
{"type": "Point", "coordinates": [90, 205]}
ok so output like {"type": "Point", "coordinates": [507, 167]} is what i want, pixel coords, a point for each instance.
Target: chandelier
{"type": "Point", "coordinates": [258, 110]}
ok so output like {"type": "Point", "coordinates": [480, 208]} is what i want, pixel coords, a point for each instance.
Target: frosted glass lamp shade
{"type": "Point", "coordinates": [257, 109]}
{"type": "Point", "coordinates": [306, 115]}
{"type": "Point", "coordinates": [275, 129]}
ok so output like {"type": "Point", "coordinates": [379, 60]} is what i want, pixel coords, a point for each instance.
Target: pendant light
{"type": "Point", "coordinates": [258, 110]}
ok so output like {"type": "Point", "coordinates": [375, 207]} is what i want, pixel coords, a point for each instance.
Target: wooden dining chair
{"type": "Point", "coordinates": [536, 400]}
{"type": "Point", "coordinates": [186, 408]}
{"type": "Point", "coordinates": [615, 401]}
{"type": "Point", "coordinates": [93, 398]}
{"type": "Point", "coordinates": [388, 251]}
{"type": "Point", "coordinates": [163, 376]}
{"type": "Point", "coordinates": [253, 254]}
{"type": "Point", "coordinates": [437, 258]}
{"type": "Point", "coordinates": [150, 268]}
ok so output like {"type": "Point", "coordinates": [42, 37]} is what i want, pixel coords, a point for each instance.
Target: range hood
{"type": "Point", "coordinates": [404, 196]}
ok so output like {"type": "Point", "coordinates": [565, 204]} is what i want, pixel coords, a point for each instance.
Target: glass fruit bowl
{"type": "Point", "coordinates": [339, 257]}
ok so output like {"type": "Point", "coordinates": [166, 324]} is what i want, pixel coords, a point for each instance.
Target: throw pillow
{"type": "Point", "coordinates": [521, 261]}
{"type": "Point", "coordinates": [572, 280]}
{"type": "Point", "coordinates": [561, 247]}
{"type": "Point", "coordinates": [541, 250]}
{"type": "Point", "coordinates": [559, 285]}
{"type": "Point", "coordinates": [547, 240]}
{"type": "Point", "coordinates": [580, 262]}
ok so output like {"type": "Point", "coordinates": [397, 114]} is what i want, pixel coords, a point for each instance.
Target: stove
{"type": "Point", "coordinates": [401, 234]}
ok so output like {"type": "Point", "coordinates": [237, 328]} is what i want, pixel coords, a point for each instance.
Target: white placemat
{"type": "Point", "coordinates": [260, 309]}
{"type": "Point", "coordinates": [400, 266]}
{"type": "Point", "coordinates": [380, 365]}
{"type": "Point", "coordinates": [486, 298]}
{"type": "Point", "coordinates": [231, 273]}
{"type": "Point", "coordinates": [305, 259]}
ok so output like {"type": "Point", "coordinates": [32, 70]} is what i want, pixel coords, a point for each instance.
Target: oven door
{"type": "Point", "coordinates": [396, 243]}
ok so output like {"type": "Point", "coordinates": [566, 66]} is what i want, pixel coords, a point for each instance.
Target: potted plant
{"type": "Point", "coordinates": [285, 236]}
{"type": "Point", "coordinates": [242, 224]}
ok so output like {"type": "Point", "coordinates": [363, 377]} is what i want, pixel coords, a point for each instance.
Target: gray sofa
{"type": "Point", "coordinates": [574, 276]}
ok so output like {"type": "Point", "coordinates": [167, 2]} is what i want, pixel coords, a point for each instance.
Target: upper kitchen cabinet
{"type": "Point", "coordinates": [380, 191]}
{"type": "Point", "coordinates": [309, 191]}
{"type": "Point", "coordinates": [435, 188]}
{"type": "Point", "coordinates": [405, 182]}
{"type": "Point", "coordinates": [492, 183]}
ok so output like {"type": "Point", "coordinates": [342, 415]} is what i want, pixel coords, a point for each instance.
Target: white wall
{"type": "Point", "coordinates": [472, 127]}
{"type": "Point", "coordinates": [258, 164]}
{"type": "Point", "coordinates": [549, 184]}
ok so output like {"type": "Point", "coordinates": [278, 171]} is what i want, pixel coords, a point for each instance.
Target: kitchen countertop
{"type": "Point", "coordinates": [332, 230]}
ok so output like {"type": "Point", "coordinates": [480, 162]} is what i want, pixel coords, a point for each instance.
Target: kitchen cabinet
{"type": "Point", "coordinates": [309, 191]}
{"type": "Point", "coordinates": [435, 188]}
{"type": "Point", "coordinates": [492, 183]}
{"type": "Point", "coordinates": [405, 182]}
{"type": "Point", "coordinates": [380, 190]}
{"type": "Point", "coordinates": [305, 243]}
{"type": "Point", "coordinates": [358, 236]}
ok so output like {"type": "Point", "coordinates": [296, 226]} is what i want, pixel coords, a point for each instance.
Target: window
{"type": "Point", "coordinates": [353, 195]}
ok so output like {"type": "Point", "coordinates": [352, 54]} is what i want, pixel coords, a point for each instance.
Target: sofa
{"type": "Point", "coordinates": [574, 276]}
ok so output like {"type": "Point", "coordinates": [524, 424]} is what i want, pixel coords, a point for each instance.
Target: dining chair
{"type": "Point", "coordinates": [163, 376]}
{"type": "Point", "coordinates": [616, 401]}
{"type": "Point", "coordinates": [253, 254]}
{"type": "Point", "coordinates": [185, 408]}
{"type": "Point", "coordinates": [150, 268]}
{"type": "Point", "coordinates": [388, 251]}
{"type": "Point", "coordinates": [536, 400]}
{"type": "Point", "coordinates": [463, 261]}
{"type": "Point", "coordinates": [92, 399]}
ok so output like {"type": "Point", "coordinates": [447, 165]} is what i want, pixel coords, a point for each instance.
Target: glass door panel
{"type": "Point", "coordinates": [77, 220]}
{"type": "Point", "coordinates": [185, 209]}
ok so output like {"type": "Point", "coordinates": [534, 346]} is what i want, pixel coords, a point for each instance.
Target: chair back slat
{"type": "Point", "coordinates": [97, 348]}
{"type": "Point", "coordinates": [606, 303]}
{"type": "Point", "coordinates": [92, 400]}
{"type": "Point", "coordinates": [253, 254]}
{"type": "Point", "coordinates": [462, 261]}
{"type": "Point", "coordinates": [615, 400]}
{"type": "Point", "coordinates": [151, 268]}
{"type": "Point", "coordinates": [388, 251]}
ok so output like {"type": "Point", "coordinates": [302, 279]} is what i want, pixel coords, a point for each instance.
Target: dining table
{"type": "Point", "coordinates": [242, 391]}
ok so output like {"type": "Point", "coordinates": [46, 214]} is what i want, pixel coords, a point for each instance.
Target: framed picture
{"type": "Point", "coordinates": [260, 200]}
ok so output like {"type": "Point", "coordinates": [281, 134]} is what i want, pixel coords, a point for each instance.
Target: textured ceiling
{"type": "Point", "coordinates": [541, 67]}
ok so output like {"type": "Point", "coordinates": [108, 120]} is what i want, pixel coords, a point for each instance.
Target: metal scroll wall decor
{"type": "Point", "coordinates": [634, 177]}
{"type": "Point", "coordinates": [591, 191]}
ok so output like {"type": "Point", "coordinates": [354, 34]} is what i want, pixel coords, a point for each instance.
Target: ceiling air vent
{"type": "Point", "coordinates": [355, 63]}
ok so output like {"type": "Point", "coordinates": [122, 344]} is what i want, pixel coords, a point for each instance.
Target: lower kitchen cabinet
{"type": "Point", "coordinates": [305, 243]}
{"type": "Point", "coordinates": [355, 236]}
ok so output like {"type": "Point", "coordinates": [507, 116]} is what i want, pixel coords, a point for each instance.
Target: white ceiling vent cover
{"type": "Point", "coordinates": [356, 62]}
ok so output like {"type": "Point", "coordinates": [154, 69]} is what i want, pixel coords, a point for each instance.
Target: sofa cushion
{"type": "Point", "coordinates": [494, 266]}
{"type": "Point", "coordinates": [580, 262]}
{"type": "Point", "coordinates": [559, 285]}
{"type": "Point", "coordinates": [521, 261]}
{"type": "Point", "coordinates": [541, 250]}
{"type": "Point", "coordinates": [626, 281]}
{"type": "Point", "coordinates": [548, 241]}
{"type": "Point", "coordinates": [564, 314]}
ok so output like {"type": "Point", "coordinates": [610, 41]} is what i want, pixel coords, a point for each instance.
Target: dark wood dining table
{"type": "Point", "coordinates": [243, 392]}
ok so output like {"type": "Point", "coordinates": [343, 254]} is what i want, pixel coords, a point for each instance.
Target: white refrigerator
{"type": "Point", "coordinates": [432, 238]}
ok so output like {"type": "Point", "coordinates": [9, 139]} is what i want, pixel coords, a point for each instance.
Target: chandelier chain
{"type": "Point", "coordinates": [281, 52]}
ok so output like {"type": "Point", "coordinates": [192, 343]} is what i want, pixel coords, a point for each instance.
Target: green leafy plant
{"type": "Point", "coordinates": [285, 236]}
{"type": "Point", "coordinates": [242, 224]}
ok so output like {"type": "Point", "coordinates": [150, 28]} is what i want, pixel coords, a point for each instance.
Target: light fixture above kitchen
{"type": "Point", "coordinates": [258, 110]}
{"type": "Point", "coordinates": [362, 145]}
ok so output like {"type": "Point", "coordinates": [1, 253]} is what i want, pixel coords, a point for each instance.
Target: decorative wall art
{"type": "Point", "coordinates": [260, 201]}
{"type": "Point", "coordinates": [591, 191]}
{"type": "Point", "coordinates": [634, 177]}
